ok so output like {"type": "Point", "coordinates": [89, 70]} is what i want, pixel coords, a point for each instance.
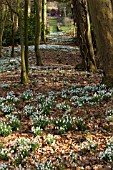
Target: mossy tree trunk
{"type": "Point", "coordinates": [24, 74]}
{"type": "Point", "coordinates": [102, 19]}
{"type": "Point", "coordinates": [3, 14]}
{"type": "Point", "coordinates": [37, 32]}
{"type": "Point", "coordinates": [81, 16]}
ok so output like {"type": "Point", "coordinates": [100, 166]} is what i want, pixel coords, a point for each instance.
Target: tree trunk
{"type": "Point", "coordinates": [84, 34]}
{"type": "Point", "coordinates": [37, 33]}
{"type": "Point", "coordinates": [29, 8]}
{"type": "Point", "coordinates": [13, 34]}
{"type": "Point", "coordinates": [24, 75]}
{"type": "Point", "coordinates": [102, 19]}
{"type": "Point", "coordinates": [43, 28]}
{"type": "Point", "coordinates": [2, 24]}
{"type": "Point", "coordinates": [26, 33]}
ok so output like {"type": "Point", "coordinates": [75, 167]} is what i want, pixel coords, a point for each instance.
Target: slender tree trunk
{"type": "Point", "coordinates": [29, 8]}
{"type": "Point", "coordinates": [13, 34]}
{"type": "Point", "coordinates": [43, 28]}
{"type": "Point", "coordinates": [40, 15]}
{"type": "Point", "coordinates": [91, 65]}
{"type": "Point", "coordinates": [2, 24]}
{"type": "Point", "coordinates": [14, 20]}
{"type": "Point", "coordinates": [102, 19]}
{"type": "Point", "coordinates": [26, 34]}
{"type": "Point", "coordinates": [37, 33]}
{"type": "Point", "coordinates": [84, 34]}
{"type": "Point", "coordinates": [24, 75]}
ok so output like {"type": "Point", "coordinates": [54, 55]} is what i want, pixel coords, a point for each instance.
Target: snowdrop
{"type": "Point", "coordinates": [107, 154]}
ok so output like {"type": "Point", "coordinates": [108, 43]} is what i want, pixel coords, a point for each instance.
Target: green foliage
{"type": "Point", "coordinates": [7, 36]}
{"type": "Point", "coordinates": [37, 131]}
{"type": "Point", "coordinates": [5, 129]}
{"type": "Point", "coordinates": [63, 124]}
{"type": "Point", "coordinates": [27, 95]}
{"type": "Point", "coordinates": [80, 124]}
{"type": "Point", "coordinates": [4, 154]}
{"type": "Point", "coordinates": [14, 122]}
{"type": "Point", "coordinates": [40, 121]}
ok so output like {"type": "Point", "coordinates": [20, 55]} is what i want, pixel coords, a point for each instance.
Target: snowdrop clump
{"type": "Point", "coordinates": [7, 108]}
{"type": "Point", "coordinates": [4, 154]}
{"type": "Point", "coordinates": [5, 129]}
{"type": "Point", "coordinates": [14, 122]}
{"type": "Point", "coordinates": [109, 112]}
{"type": "Point", "coordinates": [88, 145]}
{"type": "Point", "coordinates": [2, 99]}
{"type": "Point", "coordinates": [21, 148]}
{"type": "Point", "coordinates": [107, 154]}
{"type": "Point", "coordinates": [90, 95]}
{"type": "Point", "coordinates": [7, 65]}
{"type": "Point", "coordinates": [37, 130]}
{"type": "Point", "coordinates": [63, 106]}
{"type": "Point", "coordinates": [45, 166]}
{"type": "Point", "coordinates": [11, 97]}
{"type": "Point", "coordinates": [28, 110]}
{"type": "Point", "coordinates": [63, 124]}
{"type": "Point", "coordinates": [80, 123]}
{"type": "Point", "coordinates": [27, 95]}
{"type": "Point", "coordinates": [5, 85]}
{"type": "Point", "coordinates": [40, 121]}
{"type": "Point", "coordinates": [40, 98]}
{"type": "Point", "coordinates": [49, 138]}
{"type": "Point", "coordinates": [109, 115]}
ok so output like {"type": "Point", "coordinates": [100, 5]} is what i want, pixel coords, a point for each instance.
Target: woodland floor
{"type": "Point", "coordinates": [71, 112]}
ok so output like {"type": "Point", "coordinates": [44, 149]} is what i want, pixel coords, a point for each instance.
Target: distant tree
{"type": "Point", "coordinates": [14, 24]}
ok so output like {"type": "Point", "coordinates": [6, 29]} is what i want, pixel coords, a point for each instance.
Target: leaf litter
{"type": "Point", "coordinates": [61, 119]}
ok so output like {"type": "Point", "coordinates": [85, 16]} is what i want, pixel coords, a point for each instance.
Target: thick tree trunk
{"type": "Point", "coordinates": [102, 19]}
{"type": "Point", "coordinates": [84, 34]}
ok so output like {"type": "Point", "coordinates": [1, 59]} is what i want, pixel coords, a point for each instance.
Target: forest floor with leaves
{"type": "Point", "coordinates": [61, 119]}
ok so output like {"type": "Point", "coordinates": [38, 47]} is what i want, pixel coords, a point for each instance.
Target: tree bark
{"type": "Point", "coordinates": [13, 34]}
{"type": "Point", "coordinates": [81, 15]}
{"type": "Point", "coordinates": [2, 24]}
{"type": "Point", "coordinates": [37, 33]}
{"type": "Point", "coordinates": [26, 33]}
{"type": "Point", "coordinates": [102, 19]}
{"type": "Point", "coordinates": [43, 27]}
{"type": "Point", "coordinates": [24, 75]}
